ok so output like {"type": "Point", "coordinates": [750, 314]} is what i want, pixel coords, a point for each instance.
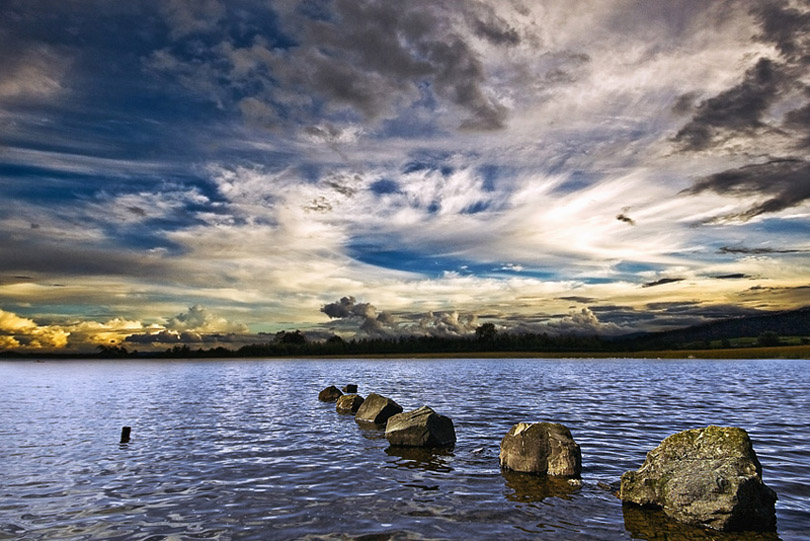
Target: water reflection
{"type": "Point", "coordinates": [654, 525]}
{"type": "Point", "coordinates": [371, 431]}
{"type": "Point", "coordinates": [527, 488]}
{"type": "Point", "coordinates": [419, 458]}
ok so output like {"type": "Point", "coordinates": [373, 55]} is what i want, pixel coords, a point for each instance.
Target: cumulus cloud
{"type": "Point", "coordinates": [199, 319]}
{"type": "Point", "coordinates": [371, 322]}
{"type": "Point", "coordinates": [20, 332]}
{"type": "Point", "coordinates": [583, 322]}
{"type": "Point", "coordinates": [447, 324]}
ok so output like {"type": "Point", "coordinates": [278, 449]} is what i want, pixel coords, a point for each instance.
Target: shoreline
{"type": "Point", "coordinates": [798, 352]}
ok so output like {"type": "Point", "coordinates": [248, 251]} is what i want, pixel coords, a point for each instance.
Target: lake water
{"type": "Point", "coordinates": [242, 449]}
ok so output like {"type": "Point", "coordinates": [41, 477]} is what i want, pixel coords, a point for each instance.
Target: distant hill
{"type": "Point", "coordinates": [786, 323]}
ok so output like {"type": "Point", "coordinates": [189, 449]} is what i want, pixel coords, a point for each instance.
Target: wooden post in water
{"type": "Point", "coordinates": [125, 434]}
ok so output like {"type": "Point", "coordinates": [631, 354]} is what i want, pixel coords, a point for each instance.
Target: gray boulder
{"type": "Point", "coordinates": [350, 388]}
{"type": "Point", "coordinates": [376, 409]}
{"type": "Point", "coordinates": [330, 394]}
{"type": "Point", "coordinates": [348, 403]}
{"type": "Point", "coordinates": [541, 448]}
{"type": "Point", "coordinates": [421, 427]}
{"type": "Point", "coordinates": [708, 477]}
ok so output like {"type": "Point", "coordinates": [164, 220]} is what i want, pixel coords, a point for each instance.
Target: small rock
{"type": "Point", "coordinates": [376, 409]}
{"type": "Point", "coordinates": [350, 388]}
{"type": "Point", "coordinates": [541, 448]}
{"type": "Point", "coordinates": [330, 394]}
{"type": "Point", "coordinates": [613, 487]}
{"type": "Point", "coordinates": [348, 403]}
{"type": "Point", "coordinates": [709, 477]}
{"type": "Point", "coordinates": [421, 427]}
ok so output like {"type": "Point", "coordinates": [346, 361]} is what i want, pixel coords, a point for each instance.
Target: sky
{"type": "Point", "coordinates": [211, 172]}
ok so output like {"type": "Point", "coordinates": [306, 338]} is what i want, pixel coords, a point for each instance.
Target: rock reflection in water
{"type": "Point", "coordinates": [372, 431]}
{"type": "Point", "coordinates": [420, 458]}
{"type": "Point", "coordinates": [528, 488]}
{"type": "Point", "coordinates": [654, 525]}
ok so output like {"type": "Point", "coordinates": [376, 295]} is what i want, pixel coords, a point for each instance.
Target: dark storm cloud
{"type": "Point", "coordinates": [733, 276]}
{"type": "Point", "coordinates": [488, 25]}
{"type": "Point", "coordinates": [758, 251]}
{"type": "Point", "coordinates": [739, 109]}
{"type": "Point", "coordinates": [799, 120]}
{"type": "Point", "coordinates": [663, 281]}
{"type": "Point", "coordinates": [670, 315]}
{"type": "Point", "coordinates": [623, 217]}
{"type": "Point", "coordinates": [684, 104]}
{"type": "Point", "coordinates": [582, 300]}
{"type": "Point", "coordinates": [785, 183]}
{"type": "Point", "coordinates": [390, 44]}
{"type": "Point", "coordinates": [64, 259]}
{"type": "Point", "coordinates": [787, 27]}
{"type": "Point", "coordinates": [369, 56]}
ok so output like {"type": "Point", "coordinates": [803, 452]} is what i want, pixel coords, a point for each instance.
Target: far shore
{"type": "Point", "coordinates": [774, 352]}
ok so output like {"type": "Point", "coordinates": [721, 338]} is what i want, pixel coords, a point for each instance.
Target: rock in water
{"type": "Point", "coordinates": [421, 427]}
{"type": "Point", "coordinates": [707, 476]}
{"type": "Point", "coordinates": [330, 394]}
{"type": "Point", "coordinates": [541, 448]}
{"type": "Point", "coordinates": [348, 403]}
{"type": "Point", "coordinates": [350, 388]}
{"type": "Point", "coordinates": [376, 409]}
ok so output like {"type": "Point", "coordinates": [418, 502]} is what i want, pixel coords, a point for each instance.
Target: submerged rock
{"type": "Point", "coordinates": [376, 409]}
{"type": "Point", "coordinates": [330, 394]}
{"type": "Point", "coordinates": [350, 388]}
{"type": "Point", "coordinates": [541, 448]}
{"type": "Point", "coordinates": [421, 427]}
{"type": "Point", "coordinates": [348, 403]}
{"type": "Point", "coordinates": [708, 476]}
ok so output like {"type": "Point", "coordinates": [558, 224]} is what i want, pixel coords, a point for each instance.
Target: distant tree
{"type": "Point", "coordinates": [768, 339]}
{"type": "Point", "coordinates": [486, 333]}
{"type": "Point", "coordinates": [296, 337]}
{"type": "Point", "coordinates": [725, 343]}
{"type": "Point", "coordinates": [111, 352]}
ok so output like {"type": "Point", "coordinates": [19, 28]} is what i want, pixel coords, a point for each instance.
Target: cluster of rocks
{"type": "Point", "coordinates": [709, 477]}
{"type": "Point", "coordinates": [421, 427]}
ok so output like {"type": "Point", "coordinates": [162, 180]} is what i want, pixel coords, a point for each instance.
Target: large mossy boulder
{"type": "Point", "coordinates": [542, 449]}
{"type": "Point", "coordinates": [421, 427]}
{"type": "Point", "coordinates": [376, 409]}
{"type": "Point", "coordinates": [330, 394]}
{"type": "Point", "coordinates": [708, 477]}
{"type": "Point", "coordinates": [349, 403]}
